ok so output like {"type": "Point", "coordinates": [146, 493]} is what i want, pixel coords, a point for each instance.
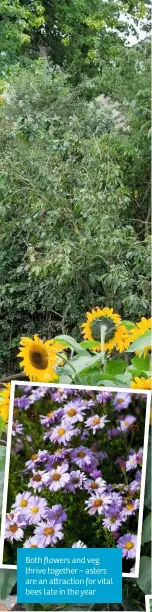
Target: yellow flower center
{"type": "Point", "coordinates": [38, 357]}
{"type": "Point", "coordinates": [13, 528]}
{"type": "Point", "coordinates": [120, 401]}
{"type": "Point", "coordinates": [48, 531]}
{"type": "Point", "coordinates": [35, 509]}
{"type": "Point", "coordinates": [61, 431]}
{"type": "Point", "coordinates": [23, 503]}
{"type": "Point", "coordinates": [37, 477]}
{"type": "Point", "coordinates": [97, 503]}
{"type": "Point", "coordinates": [34, 457]}
{"type": "Point", "coordinates": [81, 454]}
{"type": "Point", "coordinates": [129, 545]}
{"type": "Point", "coordinates": [96, 420]}
{"type": "Point", "coordinates": [129, 506]}
{"type": "Point", "coordinates": [113, 519]}
{"type": "Point", "coordinates": [49, 414]}
{"type": "Point", "coordinates": [94, 485]}
{"type": "Point", "coordinates": [71, 412]}
{"type": "Point", "coordinates": [56, 477]}
{"type": "Point", "coordinates": [33, 546]}
{"type": "Point", "coordinates": [126, 423]}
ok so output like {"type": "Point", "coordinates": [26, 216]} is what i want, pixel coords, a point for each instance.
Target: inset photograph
{"type": "Point", "coordinates": [75, 470]}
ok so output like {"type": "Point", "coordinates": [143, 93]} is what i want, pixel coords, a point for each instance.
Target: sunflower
{"type": "Point", "coordinates": [116, 335]}
{"type": "Point", "coordinates": [4, 402]}
{"type": "Point", "coordinates": [141, 383]}
{"type": "Point", "coordinates": [39, 358]}
{"type": "Point", "coordinates": [140, 329]}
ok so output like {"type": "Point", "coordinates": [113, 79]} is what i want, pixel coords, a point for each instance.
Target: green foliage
{"type": "Point", "coordinates": [144, 580]}
{"type": "Point", "coordinates": [7, 581]}
{"type": "Point", "coordinates": [66, 243]}
{"type": "Point", "coordinates": [18, 22]}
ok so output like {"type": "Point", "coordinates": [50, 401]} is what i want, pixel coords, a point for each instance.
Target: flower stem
{"type": "Point", "coordinates": [102, 339]}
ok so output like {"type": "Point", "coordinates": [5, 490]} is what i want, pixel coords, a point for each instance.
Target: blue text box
{"type": "Point", "coordinates": [69, 575]}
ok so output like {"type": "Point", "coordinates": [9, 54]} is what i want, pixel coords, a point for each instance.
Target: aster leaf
{"type": "Point", "coordinates": [141, 343]}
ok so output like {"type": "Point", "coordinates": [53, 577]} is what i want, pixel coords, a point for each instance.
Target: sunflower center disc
{"type": "Point", "coordinates": [39, 359]}
{"type": "Point", "coordinates": [96, 328]}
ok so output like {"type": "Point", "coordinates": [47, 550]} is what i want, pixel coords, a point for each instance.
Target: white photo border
{"type": "Point", "coordinates": [144, 463]}
{"type": "Point", "coordinates": [148, 598]}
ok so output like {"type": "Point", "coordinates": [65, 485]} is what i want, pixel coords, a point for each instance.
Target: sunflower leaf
{"type": "Point", "coordinates": [128, 324]}
{"type": "Point", "coordinates": [69, 342]}
{"type": "Point", "coordinates": [141, 343]}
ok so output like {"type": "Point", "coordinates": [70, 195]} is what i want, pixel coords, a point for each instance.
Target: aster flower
{"type": "Point", "coordinates": [49, 533]}
{"type": "Point", "coordinates": [48, 419]}
{"type": "Point", "coordinates": [113, 519]}
{"type": "Point", "coordinates": [98, 503]}
{"type": "Point", "coordinates": [128, 544]}
{"type": "Point", "coordinates": [57, 478]}
{"type": "Point", "coordinates": [36, 481]}
{"type": "Point", "coordinates": [83, 456]}
{"type": "Point", "coordinates": [32, 542]}
{"type": "Point", "coordinates": [62, 434]}
{"type": "Point", "coordinates": [122, 400]}
{"type": "Point", "coordinates": [57, 513]}
{"type": "Point", "coordinates": [40, 456]}
{"type": "Point", "coordinates": [131, 507]}
{"type": "Point", "coordinates": [127, 422]}
{"type": "Point", "coordinates": [98, 484]}
{"type": "Point", "coordinates": [13, 528]}
{"type": "Point", "coordinates": [36, 509]}
{"type": "Point", "coordinates": [103, 396]}
{"type": "Point", "coordinates": [131, 462]}
{"type": "Point", "coordinates": [74, 411]}
{"type": "Point", "coordinates": [22, 501]}
{"type": "Point", "coordinates": [77, 480]}
{"type": "Point", "coordinates": [17, 428]}
{"type": "Point", "coordinates": [79, 544]}
{"type": "Point", "coordinates": [96, 422]}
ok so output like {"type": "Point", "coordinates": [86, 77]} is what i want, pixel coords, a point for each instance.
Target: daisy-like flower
{"type": "Point", "coordinates": [103, 397]}
{"type": "Point", "coordinates": [77, 480]}
{"type": "Point", "coordinates": [113, 519]}
{"type": "Point", "coordinates": [62, 434]}
{"type": "Point", "coordinates": [22, 501]}
{"type": "Point", "coordinates": [122, 400]}
{"type": "Point", "coordinates": [96, 422]}
{"type": "Point", "coordinates": [39, 359]}
{"type": "Point", "coordinates": [57, 513]}
{"type": "Point", "coordinates": [116, 499]}
{"type": "Point", "coordinates": [4, 401]}
{"type": "Point", "coordinates": [74, 412]}
{"type": "Point", "coordinates": [131, 462]}
{"type": "Point", "coordinates": [141, 383]}
{"type": "Point", "coordinates": [83, 456]}
{"type": "Point", "coordinates": [135, 484]}
{"type": "Point", "coordinates": [98, 485]}
{"type": "Point", "coordinates": [49, 533]}
{"type": "Point", "coordinates": [98, 503]}
{"type": "Point", "coordinates": [128, 544]}
{"type": "Point", "coordinates": [131, 507]}
{"type": "Point", "coordinates": [40, 456]}
{"type": "Point", "coordinates": [79, 544]}
{"type": "Point", "coordinates": [127, 422]}
{"type": "Point", "coordinates": [33, 542]}
{"type": "Point", "coordinates": [48, 419]}
{"type": "Point", "coordinates": [36, 481]}
{"type": "Point", "coordinates": [13, 528]}
{"type": "Point", "coordinates": [17, 428]}
{"type": "Point", "coordinates": [57, 478]}
{"type": "Point", "coordinates": [116, 335]}
{"type": "Point", "coordinates": [36, 509]}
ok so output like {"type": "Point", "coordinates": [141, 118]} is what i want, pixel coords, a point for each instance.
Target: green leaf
{"type": "Point", "coordinates": [115, 366]}
{"type": "Point", "coordinates": [144, 580]}
{"type": "Point", "coordinates": [89, 344]}
{"type": "Point", "coordinates": [141, 343]}
{"type": "Point", "coordinates": [71, 343]}
{"type": "Point", "coordinates": [128, 324]}
{"type": "Point", "coordinates": [141, 364]}
{"type": "Point", "coordinates": [147, 529]}
{"type": "Point", "coordinates": [7, 580]}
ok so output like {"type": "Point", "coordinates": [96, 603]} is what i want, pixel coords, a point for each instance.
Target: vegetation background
{"type": "Point", "coordinates": [75, 166]}
{"type": "Point", "coordinates": [75, 183]}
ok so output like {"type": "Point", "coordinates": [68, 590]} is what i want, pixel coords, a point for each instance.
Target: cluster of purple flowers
{"type": "Point", "coordinates": [76, 430]}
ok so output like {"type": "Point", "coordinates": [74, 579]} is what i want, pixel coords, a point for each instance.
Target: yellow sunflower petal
{"type": "Point", "coordinates": [116, 335]}
{"type": "Point", "coordinates": [141, 383]}
{"type": "Point", "coordinates": [4, 402]}
{"type": "Point", "coordinates": [39, 359]}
